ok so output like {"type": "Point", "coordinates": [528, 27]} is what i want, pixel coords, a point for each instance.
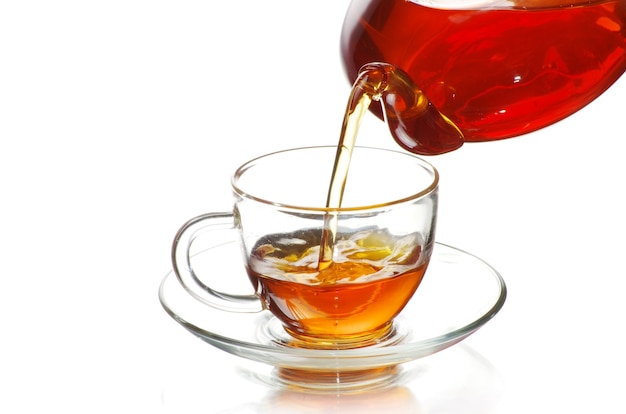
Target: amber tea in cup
{"type": "Point", "coordinates": [383, 236]}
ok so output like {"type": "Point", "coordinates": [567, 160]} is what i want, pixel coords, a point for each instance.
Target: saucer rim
{"type": "Point", "coordinates": [410, 351]}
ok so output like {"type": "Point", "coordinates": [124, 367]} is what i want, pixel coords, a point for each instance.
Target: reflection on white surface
{"type": "Point", "coordinates": [398, 399]}
{"type": "Point", "coordinates": [457, 380]}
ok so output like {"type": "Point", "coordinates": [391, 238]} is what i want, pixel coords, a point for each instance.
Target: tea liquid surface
{"type": "Point", "coordinates": [496, 73]}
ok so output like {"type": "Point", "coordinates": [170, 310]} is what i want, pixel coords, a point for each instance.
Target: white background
{"type": "Point", "coordinates": [119, 120]}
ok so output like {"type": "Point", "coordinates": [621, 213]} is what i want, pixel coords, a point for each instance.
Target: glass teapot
{"type": "Point", "coordinates": [494, 68]}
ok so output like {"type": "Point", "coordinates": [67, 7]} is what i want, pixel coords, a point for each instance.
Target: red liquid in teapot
{"type": "Point", "coordinates": [495, 73]}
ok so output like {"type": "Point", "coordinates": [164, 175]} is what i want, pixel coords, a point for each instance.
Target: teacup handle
{"type": "Point", "coordinates": [206, 223]}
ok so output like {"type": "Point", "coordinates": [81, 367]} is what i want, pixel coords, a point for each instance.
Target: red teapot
{"type": "Point", "coordinates": [495, 69]}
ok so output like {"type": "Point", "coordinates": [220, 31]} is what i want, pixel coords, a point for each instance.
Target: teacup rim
{"type": "Point", "coordinates": [432, 187]}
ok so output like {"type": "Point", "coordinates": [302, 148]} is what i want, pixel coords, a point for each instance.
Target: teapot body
{"type": "Point", "coordinates": [499, 70]}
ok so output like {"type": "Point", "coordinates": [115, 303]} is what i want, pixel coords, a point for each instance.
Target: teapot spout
{"type": "Point", "coordinates": [414, 122]}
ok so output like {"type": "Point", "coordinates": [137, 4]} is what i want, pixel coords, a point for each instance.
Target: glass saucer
{"type": "Point", "coordinates": [458, 295]}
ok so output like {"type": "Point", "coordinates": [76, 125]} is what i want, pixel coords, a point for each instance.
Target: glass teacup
{"type": "Point", "coordinates": [382, 240]}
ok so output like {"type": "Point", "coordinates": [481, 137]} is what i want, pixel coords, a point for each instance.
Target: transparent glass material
{"type": "Point", "coordinates": [460, 294]}
{"type": "Point", "coordinates": [380, 239]}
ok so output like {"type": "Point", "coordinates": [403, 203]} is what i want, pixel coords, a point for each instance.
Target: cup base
{"type": "Point", "coordinates": [337, 381]}
{"type": "Point", "coordinates": [342, 342]}
{"type": "Point", "coordinates": [274, 331]}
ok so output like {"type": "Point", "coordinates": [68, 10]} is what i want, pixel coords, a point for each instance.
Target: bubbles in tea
{"type": "Point", "coordinates": [371, 278]}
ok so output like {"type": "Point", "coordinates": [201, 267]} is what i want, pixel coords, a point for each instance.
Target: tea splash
{"type": "Point", "coordinates": [349, 303]}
